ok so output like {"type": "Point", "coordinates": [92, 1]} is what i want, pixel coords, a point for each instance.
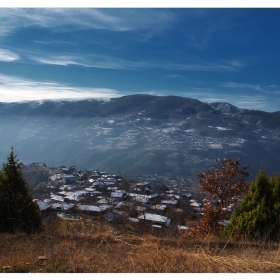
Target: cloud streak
{"type": "Point", "coordinates": [271, 89]}
{"type": "Point", "coordinates": [111, 62]}
{"type": "Point", "coordinates": [120, 20]}
{"type": "Point", "coordinates": [8, 56]}
{"type": "Point", "coordinates": [242, 85]}
{"type": "Point", "coordinates": [15, 89]}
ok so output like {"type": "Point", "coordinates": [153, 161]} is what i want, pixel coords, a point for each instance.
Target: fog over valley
{"type": "Point", "coordinates": [139, 134]}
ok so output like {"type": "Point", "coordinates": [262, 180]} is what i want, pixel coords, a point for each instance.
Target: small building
{"type": "Point", "coordinates": [154, 196]}
{"type": "Point", "coordinates": [196, 204]}
{"type": "Point", "coordinates": [140, 209]}
{"type": "Point", "coordinates": [188, 195]}
{"type": "Point", "coordinates": [63, 206]}
{"type": "Point", "coordinates": [160, 207]}
{"type": "Point", "coordinates": [95, 176]}
{"type": "Point", "coordinates": [182, 228]}
{"type": "Point", "coordinates": [92, 209]}
{"type": "Point", "coordinates": [143, 185]}
{"type": "Point", "coordinates": [105, 200]}
{"type": "Point", "coordinates": [65, 170]}
{"type": "Point", "coordinates": [68, 179]}
{"type": "Point", "coordinates": [155, 220]}
{"type": "Point", "coordinates": [170, 203]}
{"type": "Point", "coordinates": [119, 195]}
{"type": "Point", "coordinates": [43, 206]}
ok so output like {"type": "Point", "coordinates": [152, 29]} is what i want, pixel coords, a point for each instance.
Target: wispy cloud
{"type": "Point", "coordinates": [242, 85]}
{"type": "Point", "coordinates": [62, 60]}
{"type": "Point", "coordinates": [175, 76]}
{"type": "Point", "coordinates": [8, 56]}
{"type": "Point", "coordinates": [91, 61]}
{"type": "Point", "coordinates": [221, 65]}
{"type": "Point", "coordinates": [270, 89]}
{"type": "Point", "coordinates": [16, 89]}
{"type": "Point", "coordinates": [151, 20]}
{"type": "Point", "coordinates": [111, 62]}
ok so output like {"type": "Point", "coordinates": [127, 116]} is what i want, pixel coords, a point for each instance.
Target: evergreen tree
{"type": "Point", "coordinates": [18, 212]}
{"type": "Point", "coordinates": [257, 215]}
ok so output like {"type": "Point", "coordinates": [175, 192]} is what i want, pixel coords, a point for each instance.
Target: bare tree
{"type": "Point", "coordinates": [224, 184]}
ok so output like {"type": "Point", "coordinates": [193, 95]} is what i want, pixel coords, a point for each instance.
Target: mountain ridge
{"type": "Point", "coordinates": [140, 134]}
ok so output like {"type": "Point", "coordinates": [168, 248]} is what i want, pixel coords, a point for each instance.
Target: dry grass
{"type": "Point", "coordinates": [102, 251]}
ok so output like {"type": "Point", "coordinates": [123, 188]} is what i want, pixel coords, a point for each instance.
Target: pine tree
{"type": "Point", "coordinates": [18, 212]}
{"type": "Point", "coordinates": [258, 214]}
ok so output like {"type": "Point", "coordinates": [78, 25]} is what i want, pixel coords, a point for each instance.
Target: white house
{"type": "Point", "coordinates": [155, 220]}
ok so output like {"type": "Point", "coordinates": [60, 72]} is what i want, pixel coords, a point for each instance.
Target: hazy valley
{"type": "Point", "coordinates": [139, 134]}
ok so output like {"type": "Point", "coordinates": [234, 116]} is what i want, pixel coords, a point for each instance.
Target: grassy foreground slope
{"type": "Point", "coordinates": [95, 250]}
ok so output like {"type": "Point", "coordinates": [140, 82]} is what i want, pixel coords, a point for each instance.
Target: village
{"type": "Point", "coordinates": [73, 194]}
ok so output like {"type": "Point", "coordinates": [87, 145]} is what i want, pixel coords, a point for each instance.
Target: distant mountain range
{"type": "Point", "coordinates": [139, 134]}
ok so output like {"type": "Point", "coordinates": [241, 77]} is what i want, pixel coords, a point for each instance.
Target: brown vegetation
{"type": "Point", "coordinates": [225, 184]}
{"type": "Point", "coordinates": [93, 249]}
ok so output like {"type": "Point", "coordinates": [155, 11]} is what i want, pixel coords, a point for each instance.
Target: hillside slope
{"type": "Point", "coordinates": [104, 252]}
{"type": "Point", "coordinates": [139, 134]}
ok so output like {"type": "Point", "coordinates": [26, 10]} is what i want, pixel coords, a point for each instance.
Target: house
{"type": "Point", "coordinates": [105, 207]}
{"type": "Point", "coordinates": [92, 209]}
{"type": "Point", "coordinates": [43, 206]}
{"type": "Point", "coordinates": [76, 195]}
{"type": "Point", "coordinates": [140, 209]}
{"type": "Point", "coordinates": [155, 220]}
{"type": "Point", "coordinates": [105, 200]}
{"type": "Point", "coordinates": [63, 206]}
{"type": "Point", "coordinates": [142, 197]}
{"type": "Point", "coordinates": [119, 195]}
{"type": "Point", "coordinates": [158, 207]}
{"type": "Point", "coordinates": [188, 195]}
{"type": "Point", "coordinates": [139, 197]}
{"type": "Point", "coordinates": [154, 197]}
{"type": "Point", "coordinates": [196, 204]}
{"type": "Point", "coordinates": [65, 170]}
{"type": "Point", "coordinates": [143, 184]}
{"type": "Point", "coordinates": [121, 204]}
{"type": "Point", "coordinates": [56, 197]}
{"type": "Point", "coordinates": [182, 228]}
{"type": "Point", "coordinates": [88, 208]}
{"type": "Point", "coordinates": [95, 176]}
{"type": "Point", "coordinates": [68, 179]}
{"type": "Point", "coordinates": [148, 190]}
{"type": "Point", "coordinates": [170, 203]}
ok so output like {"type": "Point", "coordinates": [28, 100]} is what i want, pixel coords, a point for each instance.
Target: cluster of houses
{"type": "Point", "coordinates": [73, 194]}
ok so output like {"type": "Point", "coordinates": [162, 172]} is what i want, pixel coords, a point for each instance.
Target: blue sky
{"type": "Point", "coordinates": [227, 54]}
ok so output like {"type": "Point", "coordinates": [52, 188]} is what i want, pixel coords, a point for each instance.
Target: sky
{"type": "Point", "coordinates": [210, 54]}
